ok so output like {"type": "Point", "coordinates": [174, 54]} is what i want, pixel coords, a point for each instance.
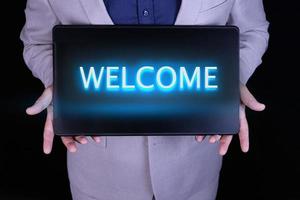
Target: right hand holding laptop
{"type": "Point", "coordinates": [44, 102]}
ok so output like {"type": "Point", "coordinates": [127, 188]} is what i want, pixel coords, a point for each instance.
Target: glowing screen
{"type": "Point", "coordinates": [145, 80]}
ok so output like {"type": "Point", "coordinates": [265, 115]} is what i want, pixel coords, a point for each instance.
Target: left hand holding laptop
{"type": "Point", "coordinates": [44, 102]}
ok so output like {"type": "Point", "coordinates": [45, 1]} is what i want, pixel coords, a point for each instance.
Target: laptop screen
{"type": "Point", "coordinates": [146, 80]}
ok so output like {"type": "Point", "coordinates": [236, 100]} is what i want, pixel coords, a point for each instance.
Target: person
{"type": "Point", "coordinates": [138, 168]}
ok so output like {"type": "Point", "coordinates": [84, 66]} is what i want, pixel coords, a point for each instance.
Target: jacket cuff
{"type": "Point", "coordinates": [46, 75]}
{"type": "Point", "coordinates": [246, 70]}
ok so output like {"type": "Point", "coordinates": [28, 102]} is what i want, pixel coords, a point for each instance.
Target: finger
{"type": "Point", "coordinates": [249, 100]}
{"type": "Point", "coordinates": [199, 138]}
{"type": "Point", "coordinates": [48, 134]}
{"type": "Point", "coordinates": [214, 138]}
{"type": "Point", "coordinates": [244, 131]}
{"type": "Point", "coordinates": [69, 142]}
{"type": "Point", "coordinates": [43, 102]}
{"type": "Point", "coordinates": [81, 139]}
{"type": "Point", "coordinates": [224, 144]}
{"type": "Point", "coordinates": [96, 139]}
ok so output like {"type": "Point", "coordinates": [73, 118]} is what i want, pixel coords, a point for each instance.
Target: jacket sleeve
{"type": "Point", "coordinates": [37, 38]}
{"type": "Point", "coordinates": [250, 17]}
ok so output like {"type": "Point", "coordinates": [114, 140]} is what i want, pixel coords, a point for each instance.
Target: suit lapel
{"type": "Point", "coordinates": [96, 11]}
{"type": "Point", "coordinates": [188, 12]}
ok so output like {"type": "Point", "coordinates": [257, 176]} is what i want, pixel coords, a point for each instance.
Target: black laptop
{"type": "Point", "coordinates": [146, 80]}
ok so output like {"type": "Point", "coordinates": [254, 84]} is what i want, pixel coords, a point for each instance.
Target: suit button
{"type": "Point", "coordinates": [145, 13]}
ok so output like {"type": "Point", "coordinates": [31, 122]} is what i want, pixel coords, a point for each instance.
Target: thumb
{"type": "Point", "coordinates": [43, 102]}
{"type": "Point", "coordinates": [249, 100]}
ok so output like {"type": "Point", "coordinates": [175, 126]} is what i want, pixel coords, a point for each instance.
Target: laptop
{"type": "Point", "coordinates": [145, 80]}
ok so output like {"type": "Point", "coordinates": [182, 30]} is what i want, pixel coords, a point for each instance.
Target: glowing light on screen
{"type": "Point", "coordinates": [210, 78]}
{"type": "Point", "coordinates": [139, 81]}
{"type": "Point", "coordinates": [92, 75]}
{"type": "Point", "coordinates": [126, 86]}
{"type": "Point", "coordinates": [184, 78]}
{"type": "Point", "coordinates": [159, 75]}
{"type": "Point", "coordinates": [164, 78]}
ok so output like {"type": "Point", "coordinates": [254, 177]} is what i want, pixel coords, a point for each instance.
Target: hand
{"type": "Point", "coordinates": [247, 99]}
{"type": "Point", "coordinates": [45, 102]}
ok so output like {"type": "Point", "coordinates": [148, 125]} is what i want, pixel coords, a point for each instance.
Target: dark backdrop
{"type": "Point", "coordinates": [271, 170]}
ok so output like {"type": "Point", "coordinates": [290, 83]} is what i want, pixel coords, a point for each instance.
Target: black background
{"type": "Point", "coordinates": [271, 170]}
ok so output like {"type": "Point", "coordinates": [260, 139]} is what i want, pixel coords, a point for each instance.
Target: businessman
{"type": "Point", "coordinates": [139, 168]}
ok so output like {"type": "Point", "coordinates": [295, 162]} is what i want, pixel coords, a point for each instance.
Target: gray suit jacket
{"type": "Point", "coordinates": [174, 168]}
